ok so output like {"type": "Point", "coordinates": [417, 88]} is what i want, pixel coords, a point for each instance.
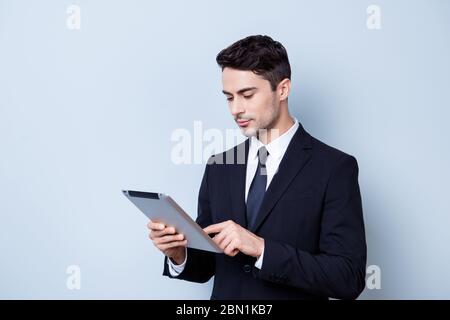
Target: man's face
{"type": "Point", "coordinates": [252, 102]}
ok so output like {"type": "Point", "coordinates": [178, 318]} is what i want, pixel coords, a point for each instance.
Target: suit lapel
{"type": "Point", "coordinates": [295, 158]}
{"type": "Point", "coordinates": [237, 177]}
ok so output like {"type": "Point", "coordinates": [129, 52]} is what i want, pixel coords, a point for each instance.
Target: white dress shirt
{"type": "Point", "coordinates": [276, 150]}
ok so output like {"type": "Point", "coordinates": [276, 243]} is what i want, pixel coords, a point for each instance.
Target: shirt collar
{"type": "Point", "coordinates": [276, 147]}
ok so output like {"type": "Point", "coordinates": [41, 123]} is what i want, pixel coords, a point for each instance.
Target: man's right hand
{"type": "Point", "coordinates": [168, 241]}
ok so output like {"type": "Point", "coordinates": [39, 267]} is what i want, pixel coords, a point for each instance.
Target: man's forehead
{"type": "Point", "coordinates": [235, 80]}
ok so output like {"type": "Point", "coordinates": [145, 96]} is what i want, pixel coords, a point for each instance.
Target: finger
{"type": "Point", "coordinates": [219, 238]}
{"type": "Point", "coordinates": [231, 249]}
{"type": "Point", "coordinates": [170, 238]}
{"type": "Point", "coordinates": [155, 226]}
{"type": "Point", "coordinates": [157, 234]}
{"type": "Point", "coordinates": [225, 242]}
{"type": "Point", "coordinates": [234, 252]}
{"type": "Point", "coordinates": [216, 228]}
{"type": "Point", "coordinates": [167, 230]}
{"type": "Point", "coordinates": [173, 244]}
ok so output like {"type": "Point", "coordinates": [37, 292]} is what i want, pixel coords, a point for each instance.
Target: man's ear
{"type": "Point", "coordinates": [283, 89]}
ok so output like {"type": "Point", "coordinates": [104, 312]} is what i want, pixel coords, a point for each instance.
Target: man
{"type": "Point", "coordinates": [289, 217]}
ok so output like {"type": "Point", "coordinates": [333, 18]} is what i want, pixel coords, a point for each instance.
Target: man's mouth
{"type": "Point", "coordinates": [243, 122]}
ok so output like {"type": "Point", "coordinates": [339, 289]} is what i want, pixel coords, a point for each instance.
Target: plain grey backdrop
{"type": "Point", "coordinates": [85, 113]}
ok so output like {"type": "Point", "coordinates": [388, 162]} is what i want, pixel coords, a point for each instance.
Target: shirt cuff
{"type": "Point", "coordinates": [259, 261]}
{"type": "Point", "coordinates": [176, 269]}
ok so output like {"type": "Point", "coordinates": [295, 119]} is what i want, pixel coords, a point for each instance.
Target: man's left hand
{"type": "Point", "coordinates": [232, 238]}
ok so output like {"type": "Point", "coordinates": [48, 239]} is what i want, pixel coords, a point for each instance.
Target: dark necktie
{"type": "Point", "coordinates": [257, 188]}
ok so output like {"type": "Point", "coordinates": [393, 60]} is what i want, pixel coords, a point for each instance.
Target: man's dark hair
{"type": "Point", "coordinates": [260, 54]}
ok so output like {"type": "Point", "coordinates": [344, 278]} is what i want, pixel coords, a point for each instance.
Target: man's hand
{"type": "Point", "coordinates": [169, 242]}
{"type": "Point", "coordinates": [232, 238]}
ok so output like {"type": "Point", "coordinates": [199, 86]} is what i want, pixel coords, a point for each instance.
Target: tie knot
{"type": "Point", "coordinates": [262, 155]}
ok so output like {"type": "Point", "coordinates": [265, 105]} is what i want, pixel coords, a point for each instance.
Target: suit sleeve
{"type": "Point", "coordinates": [200, 265]}
{"type": "Point", "coordinates": [338, 269]}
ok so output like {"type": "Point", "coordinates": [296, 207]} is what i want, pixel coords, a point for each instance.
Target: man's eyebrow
{"type": "Point", "coordinates": [240, 91]}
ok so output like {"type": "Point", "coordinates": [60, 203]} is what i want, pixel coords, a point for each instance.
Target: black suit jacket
{"type": "Point", "coordinates": [311, 220]}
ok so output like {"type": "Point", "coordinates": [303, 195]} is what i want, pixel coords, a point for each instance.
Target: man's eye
{"type": "Point", "coordinates": [230, 98]}
{"type": "Point", "coordinates": [248, 97]}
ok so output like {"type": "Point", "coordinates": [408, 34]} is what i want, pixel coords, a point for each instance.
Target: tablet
{"type": "Point", "coordinates": [162, 208]}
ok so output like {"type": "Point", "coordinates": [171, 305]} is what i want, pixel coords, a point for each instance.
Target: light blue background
{"type": "Point", "coordinates": [84, 114]}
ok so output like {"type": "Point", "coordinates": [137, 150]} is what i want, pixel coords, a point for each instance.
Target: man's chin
{"type": "Point", "coordinates": [249, 132]}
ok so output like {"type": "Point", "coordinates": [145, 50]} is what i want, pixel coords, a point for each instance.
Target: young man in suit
{"type": "Point", "coordinates": [289, 216]}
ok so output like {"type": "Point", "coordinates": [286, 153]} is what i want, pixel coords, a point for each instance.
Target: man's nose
{"type": "Point", "coordinates": [236, 108]}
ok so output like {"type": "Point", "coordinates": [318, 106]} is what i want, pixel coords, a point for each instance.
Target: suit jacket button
{"type": "Point", "coordinates": [247, 268]}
